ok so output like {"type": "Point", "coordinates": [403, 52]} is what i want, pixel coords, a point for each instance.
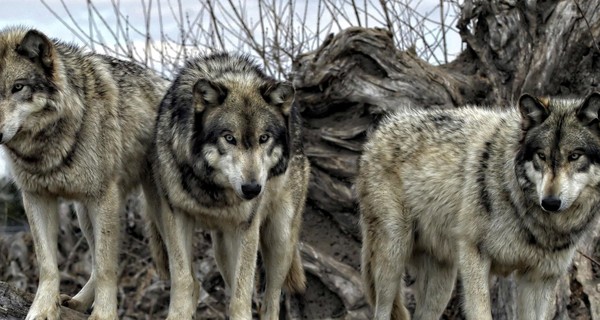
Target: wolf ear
{"type": "Point", "coordinates": [38, 48]}
{"type": "Point", "coordinates": [208, 93]}
{"type": "Point", "coordinates": [280, 94]}
{"type": "Point", "coordinates": [533, 111]}
{"type": "Point", "coordinates": [588, 111]}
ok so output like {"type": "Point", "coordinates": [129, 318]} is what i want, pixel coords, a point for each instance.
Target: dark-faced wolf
{"type": "Point", "coordinates": [229, 156]}
{"type": "Point", "coordinates": [479, 191]}
{"type": "Point", "coordinates": [75, 125]}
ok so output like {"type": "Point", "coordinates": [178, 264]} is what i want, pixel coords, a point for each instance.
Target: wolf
{"type": "Point", "coordinates": [477, 191]}
{"type": "Point", "coordinates": [77, 126]}
{"type": "Point", "coordinates": [228, 156]}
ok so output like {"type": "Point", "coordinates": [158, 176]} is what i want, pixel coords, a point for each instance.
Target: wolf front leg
{"type": "Point", "coordinates": [104, 214]}
{"type": "Point", "coordinates": [475, 270]}
{"type": "Point", "coordinates": [42, 214]}
{"type": "Point", "coordinates": [534, 296]}
{"type": "Point", "coordinates": [278, 244]}
{"type": "Point", "coordinates": [85, 297]}
{"type": "Point", "coordinates": [177, 229]}
{"type": "Point", "coordinates": [225, 246]}
{"type": "Point", "coordinates": [240, 307]}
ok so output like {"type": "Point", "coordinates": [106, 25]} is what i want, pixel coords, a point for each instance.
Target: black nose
{"type": "Point", "coordinates": [551, 203]}
{"type": "Point", "coordinates": [251, 190]}
{"type": "Point", "coordinates": [0, 137]}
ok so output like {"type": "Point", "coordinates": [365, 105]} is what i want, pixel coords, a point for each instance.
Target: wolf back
{"type": "Point", "coordinates": [75, 125]}
{"type": "Point", "coordinates": [228, 155]}
{"type": "Point", "coordinates": [478, 190]}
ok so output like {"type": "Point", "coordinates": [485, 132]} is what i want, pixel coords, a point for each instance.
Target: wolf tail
{"type": "Point", "coordinates": [153, 209]}
{"type": "Point", "coordinates": [295, 281]}
{"type": "Point", "coordinates": [158, 250]}
{"type": "Point", "coordinates": [399, 311]}
{"type": "Point", "coordinates": [367, 272]}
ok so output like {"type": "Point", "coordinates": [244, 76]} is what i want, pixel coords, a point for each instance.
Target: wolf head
{"type": "Point", "coordinates": [241, 130]}
{"type": "Point", "coordinates": [27, 64]}
{"type": "Point", "coordinates": [560, 149]}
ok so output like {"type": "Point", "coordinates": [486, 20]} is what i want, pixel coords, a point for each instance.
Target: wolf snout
{"type": "Point", "coordinates": [251, 190]}
{"type": "Point", "coordinates": [551, 203]}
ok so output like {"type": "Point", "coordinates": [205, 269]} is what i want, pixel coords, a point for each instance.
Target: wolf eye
{"type": "Point", "coordinates": [263, 138]}
{"type": "Point", "coordinates": [574, 156]}
{"type": "Point", "coordinates": [229, 138]}
{"type": "Point", "coordinates": [17, 87]}
{"type": "Point", "coordinates": [541, 156]}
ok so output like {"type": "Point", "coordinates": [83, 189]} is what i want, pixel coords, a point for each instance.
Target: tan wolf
{"type": "Point", "coordinates": [480, 191]}
{"type": "Point", "coordinates": [75, 125]}
{"type": "Point", "coordinates": [229, 156]}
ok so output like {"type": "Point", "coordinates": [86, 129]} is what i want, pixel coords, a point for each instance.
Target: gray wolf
{"type": "Point", "coordinates": [229, 157]}
{"type": "Point", "coordinates": [480, 191]}
{"type": "Point", "coordinates": [77, 126]}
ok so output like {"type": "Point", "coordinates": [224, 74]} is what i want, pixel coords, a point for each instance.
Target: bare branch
{"type": "Point", "coordinates": [274, 31]}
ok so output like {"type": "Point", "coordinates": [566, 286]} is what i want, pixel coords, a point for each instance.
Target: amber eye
{"type": "Point", "coordinates": [17, 87]}
{"type": "Point", "coordinates": [229, 138]}
{"type": "Point", "coordinates": [541, 156]}
{"type": "Point", "coordinates": [574, 156]}
{"type": "Point", "coordinates": [263, 138]}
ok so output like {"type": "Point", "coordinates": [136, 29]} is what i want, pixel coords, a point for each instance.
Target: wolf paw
{"type": "Point", "coordinates": [180, 316]}
{"type": "Point", "coordinates": [71, 303]}
{"type": "Point", "coordinates": [98, 316]}
{"type": "Point", "coordinates": [47, 312]}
